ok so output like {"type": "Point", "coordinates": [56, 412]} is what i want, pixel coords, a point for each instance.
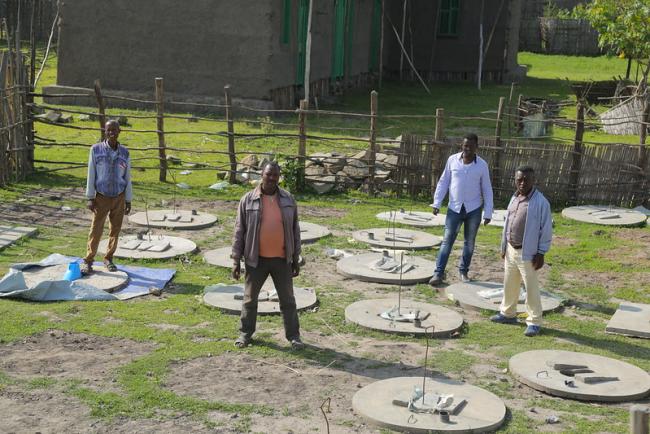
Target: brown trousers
{"type": "Point", "coordinates": [113, 207]}
{"type": "Point", "coordinates": [280, 272]}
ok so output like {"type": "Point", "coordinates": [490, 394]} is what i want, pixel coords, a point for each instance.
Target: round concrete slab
{"type": "Point", "coordinates": [366, 314]}
{"type": "Point", "coordinates": [171, 247]}
{"type": "Point", "coordinates": [100, 279]}
{"type": "Point", "coordinates": [604, 215]}
{"type": "Point", "coordinates": [223, 297]}
{"type": "Point", "coordinates": [358, 267]}
{"type": "Point", "coordinates": [498, 218]}
{"type": "Point", "coordinates": [484, 411]}
{"type": "Point", "coordinates": [419, 219]}
{"type": "Point", "coordinates": [397, 238]}
{"type": "Point", "coordinates": [310, 232]}
{"type": "Point", "coordinates": [466, 295]}
{"type": "Point", "coordinates": [167, 218]}
{"type": "Point", "coordinates": [221, 257]}
{"type": "Point", "coordinates": [536, 369]}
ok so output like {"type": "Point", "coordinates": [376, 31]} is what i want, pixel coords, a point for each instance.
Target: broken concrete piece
{"type": "Point", "coordinates": [593, 379]}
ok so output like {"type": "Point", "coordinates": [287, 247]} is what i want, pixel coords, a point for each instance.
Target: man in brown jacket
{"type": "Point", "coordinates": [267, 237]}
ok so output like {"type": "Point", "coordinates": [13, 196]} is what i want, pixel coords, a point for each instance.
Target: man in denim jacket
{"type": "Point", "coordinates": [109, 193]}
{"type": "Point", "coordinates": [525, 240]}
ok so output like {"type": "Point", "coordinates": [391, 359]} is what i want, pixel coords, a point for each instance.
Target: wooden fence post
{"type": "Point", "coordinates": [436, 151]}
{"type": "Point", "coordinates": [496, 167]}
{"type": "Point", "coordinates": [373, 140]}
{"type": "Point", "coordinates": [639, 419]}
{"type": "Point", "coordinates": [302, 142]}
{"type": "Point", "coordinates": [577, 153]}
{"type": "Point", "coordinates": [160, 127]}
{"type": "Point", "coordinates": [232, 178]}
{"type": "Point", "coordinates": [440, 123]}
{"type": "Point", "coordinates": [101, 107]}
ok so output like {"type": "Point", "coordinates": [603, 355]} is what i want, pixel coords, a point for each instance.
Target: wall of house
{"type": "Point", "coordinates": [197, 46]}
{"type": "Point", "coordinates": [450, 54]}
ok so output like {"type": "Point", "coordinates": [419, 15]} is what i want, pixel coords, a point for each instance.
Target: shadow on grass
{"type": "Point", "coordinates": [622, 348]}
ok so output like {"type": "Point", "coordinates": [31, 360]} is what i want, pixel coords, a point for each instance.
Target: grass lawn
{"type": "Point", "coordinates": [592, 267]}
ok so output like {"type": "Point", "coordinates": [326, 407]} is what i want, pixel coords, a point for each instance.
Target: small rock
{"type": "Point", "coordinates": [552, 419]}
{"type": "Point", "coordinates": [173, 159]}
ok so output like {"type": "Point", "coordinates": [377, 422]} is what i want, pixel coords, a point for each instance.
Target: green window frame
{"type": "Point", "coordinates": [285, 36]}
{"type": "Point", "coordinates": [449, 14]}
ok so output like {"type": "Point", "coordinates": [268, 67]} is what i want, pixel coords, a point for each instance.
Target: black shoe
{"type": "Point", "coordinates": [297, 344]}
{"type": "Point", "coordinates": [242, 341]}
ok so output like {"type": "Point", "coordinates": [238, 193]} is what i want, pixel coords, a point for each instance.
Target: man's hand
{"type": "Point", "coordinates": [486, 222]}
{"type": "Point", "coordinates": [236, 270]}
{"type": "Point", "coordinates": [91, 205]}
{"type": "Point", "coordinates": [127, 208]}
{"type": "Point", "coordinates": [435, 211]}
{"type": "Point", "coordinates": [295, 268]}
{"type": "Point", "coordinates": [538, 261]}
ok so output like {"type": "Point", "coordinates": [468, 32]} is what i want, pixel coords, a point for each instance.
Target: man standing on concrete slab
{"type": "Point", "coordinates": [526, 239]}
{"type": "Point", "coordinates": [467, 179]}
{"type": "Point", "coordinates": [109, 193]}
{"type": "Point", "coordinates": [267, 237]}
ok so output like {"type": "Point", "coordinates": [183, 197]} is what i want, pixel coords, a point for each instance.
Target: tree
{"type": "Point", "coordinates": [623, 27]}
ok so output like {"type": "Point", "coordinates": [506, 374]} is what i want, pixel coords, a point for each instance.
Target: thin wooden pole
{"type": "Point", "coordinates": [520, 113]}
{"type": "Point", "coordinates": [435, 155]}
{"type": "Point", "coordinates": [160, 127]}
{"type": "Point", "coordinates": [643, 150]}
{"type": "Point", "coordinates": [232, 178]}
{"type": "Point", "coordinates": [401, 56]}
{"type": "Point", "coordinates": [32, 76]}
{"type": "Point", "coordinates": [479, 73]}
{"type": "Point", "coordinates": [302, 142]}
{"type": "Point", "coordinates": [577, 153]}
{"type": "Point", "coordinates": [373, 139]}
{"type": "Point", "coordinates": [308, 52]}
{"type": "Point", "coordinates": [101, 108]}
{"type": "Point", "coordinates": [440, 121]}
{"type": "Point", "coordinates": [639, 419]}
{"type": "Point", "coordinates": [496, 169]}
{"type": "Point", "coordinates": [381, 44]}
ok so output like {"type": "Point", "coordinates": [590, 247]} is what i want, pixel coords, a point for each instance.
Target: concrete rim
{"type": "Point", "coordinates": [365, 314]}
{"type": "Point", "coordinates": [634, 382]}
{"type": "Point", "coordinates": [202, 219]}
{"type": "Point", "coordinates": [179, 246]}
{"type": "Point", "coordinates": [355, 268]}
{"type": "Point", "coordinates": [484, 410]}
{"type": "Point", "coordinates": [421, 240]}
{"type": "Point", "coordinates": [101, 278]}
{"type": "Point", "coordinates": [222, 298]}
{"type": "Point", "coordinates": [310, 232]}
{"type": "Point", "coordinates": [421, 219]}
{"type": "Point", "coordinates": [464, 295]}
{"type": "Point", "coordinates": [589, 214]}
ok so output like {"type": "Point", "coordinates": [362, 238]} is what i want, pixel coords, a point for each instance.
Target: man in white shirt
{"type": "Point", "coordinates": [467, 180]}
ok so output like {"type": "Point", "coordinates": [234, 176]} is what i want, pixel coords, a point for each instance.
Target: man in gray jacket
{"type": "Point", "coordinates": [267, 238]}
{"type": "Point", "coordinates": [525, 240]}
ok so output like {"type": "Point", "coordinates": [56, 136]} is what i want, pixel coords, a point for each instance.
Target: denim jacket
{"type": "Point", "coordinates": [539, 227]}
{"type": "Point", "coordinates": [246, 239]}
{"type": "Point", "coordinates": [109, 172]}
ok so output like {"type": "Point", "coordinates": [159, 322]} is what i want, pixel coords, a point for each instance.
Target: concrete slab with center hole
{"type": "Point", "coordinates": [221, 257]}
{"type": "Point", "coordinates": [397, 238]}
{"type": "Point", "coordinates": [532, 368]}
{"type": "Point", "coordinates": [631, 319]}
{"type": "Point", "coordinates": [358, 267]}
{"type": "Point", "coordinates": [100, 278]}
{"type": "Point", "coordinates": [420, 219]}
{"type": "Point", "coordinates": [177, 246]}
{"type": "Point", "coordinates": [466, 296]}
{"type": "Point", "coordinates": [310, 232]}
{"type": "Point", "coordinates": [604, 215]}
{"type": "Point", "coordinates": [366, 314]}
{"type": "Point", "coordinates": [483, 412]}
{"type": "Point", "coordinates": [498, 218]}
{"type": "Point", "coordinates": [167, 218]}
{"type": "Point", "coordinates": [223, 297]}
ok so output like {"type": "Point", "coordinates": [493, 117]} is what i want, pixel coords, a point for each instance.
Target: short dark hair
{"type": "Point", "coordinates": [273, 164]}
{"type": "Point", "coordinates": [113, 122]}
{"type": "Point", "coordinates": [525, 169]}
{"type": "Point", "coordinates": [471, 137]}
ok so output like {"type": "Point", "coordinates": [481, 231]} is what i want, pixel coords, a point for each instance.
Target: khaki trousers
{"type": "Point", "coordinates": [113, 207]}
{"type": "Point", "coordinates": [516, 270]}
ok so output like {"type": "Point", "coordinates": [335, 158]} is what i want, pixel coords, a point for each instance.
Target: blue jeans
{"type": "Point", "coordinates": [471, 222]}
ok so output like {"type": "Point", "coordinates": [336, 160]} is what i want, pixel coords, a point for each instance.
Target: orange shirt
{"type": "Point", "coordinates": [271, 228]}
